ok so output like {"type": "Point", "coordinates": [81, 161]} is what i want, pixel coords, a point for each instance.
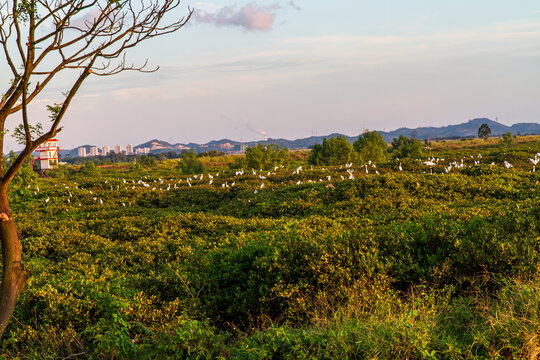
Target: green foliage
{"type": "Point", "coordinates": [9, 159]}
{"type": "Point", "coordinates": [24, 9]}
{"type": "Point", "coordinates": [147, 161]}
{"type": "Point", "coordinates": [333, 151]}
{"type": "Point", "coordinates": [89, 169]}
{"type": "Point", "coordinates": [20, 135]}
{"type": "Point", "coordinates": [403, 148]}
{"type": "Point", "coordinates": [189, 163]}
{"type": "Point", "coordinates": [54, 110]}
{"type": "Point", "coordinates": [370, 146]}
{"type": "Point", "coordinates": [239, 162]}
{"type": "Point", "coordinates": [136, 168]}
{"type": "Point", "coordinates": [400, 264]}
{"type": "Point", "coordinates": [507, 139]}
{"type": "Point", "coordinates": [25, 176]}
{"type": "Point", "coordinates": [484, 131]}
{"type": "Point", "coordinates": [59, 172]}
{"type": "Point", "coordinates": [211, 153]}
{"type": "Point", "coordinates": [266, 157]}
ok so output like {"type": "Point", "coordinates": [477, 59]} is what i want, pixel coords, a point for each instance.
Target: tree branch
{"type": "Point", "coordinates": [115, 29]}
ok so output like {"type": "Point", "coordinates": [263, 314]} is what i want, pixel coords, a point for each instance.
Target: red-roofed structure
{"type": "Point", "coordinates": [48, 154]}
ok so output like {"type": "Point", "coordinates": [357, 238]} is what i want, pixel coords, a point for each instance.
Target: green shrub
{"type": "Point", "coordinates": [333, 151]}
{"type": "Point", "coordinates": [189, 163]}
{"type": "Point", "coordinates": [403, 147]}
{"type": "Point", "coordinates": [370, 146]}
{"type": "Point", "coordinates": [266, 157]}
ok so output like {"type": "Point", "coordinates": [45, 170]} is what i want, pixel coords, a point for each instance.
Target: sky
{"type": "Point", "coordinates": [296, 68]}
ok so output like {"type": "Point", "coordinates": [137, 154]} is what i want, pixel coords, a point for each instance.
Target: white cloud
{"type": "Point", "coordinates": [249, 17]}
{"type": "Point", "coordinates": [87, 19]}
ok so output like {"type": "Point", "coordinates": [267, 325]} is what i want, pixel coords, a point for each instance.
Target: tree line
{"type": "Point", "coordinates": [369, 147]}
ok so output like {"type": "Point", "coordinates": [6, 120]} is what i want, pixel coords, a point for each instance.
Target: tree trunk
{"type": "Point", "coordinates": [13, 275]}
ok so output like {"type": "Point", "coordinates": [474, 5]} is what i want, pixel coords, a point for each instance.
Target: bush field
{"type": "Point", "coordinates": [356, 261]}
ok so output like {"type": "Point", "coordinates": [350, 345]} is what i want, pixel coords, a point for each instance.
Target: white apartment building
{"type": "Point", "coordinates": [82, 152]}
{"type": "Point", "coordinates": [129, 149]}
{"type": "Point", "coordinates": [94, 151]}
{"type": "Point", "coordinates": [118, 149]}
{"type": "Point", "coordinates": [105, 150]}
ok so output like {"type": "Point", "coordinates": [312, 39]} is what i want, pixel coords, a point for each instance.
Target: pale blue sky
{"type": "Point", "coordinates": [291, 69]}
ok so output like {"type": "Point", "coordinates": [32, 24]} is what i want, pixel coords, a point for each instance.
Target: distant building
{"type": "Point", "coordinates": [48, 154]}
{"type": "Point", "coordinates": [129, 149]}
{"type": "Point", "coordinates": [146, 150]}
{"type": "Point", "coordinates": [240, 147]}
{"type": "Point", "coordinates": [94, 151]}
{"type": "Point", "coordinates": [105, 151]}
{"type": "Point", "coordinates": [82, 152]}
{"type": "Point", "coordinates": [118, 149]}
{"type": "Point", "coordinates": [139, 151]}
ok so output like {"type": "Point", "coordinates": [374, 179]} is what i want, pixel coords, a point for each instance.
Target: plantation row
{"type": "Point", "coordinates": [404, 260]}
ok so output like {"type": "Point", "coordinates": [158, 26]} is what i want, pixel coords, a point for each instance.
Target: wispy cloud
{"type": "Point", "coordinates": [496, 38]}
{"type": "Point", "coordinates": [251, 128]}
{"type": "Point", "coordinates": [86, 20]}
{"type": "Point", "coordinates": [256, 65]}
{"type": "Point", "coordinates": [252, 16]}
{"type": "Point", "coordinates": [139, 93]}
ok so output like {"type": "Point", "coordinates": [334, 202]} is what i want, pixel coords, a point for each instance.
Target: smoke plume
{"type": "Point", "coordinates": [256, 130]}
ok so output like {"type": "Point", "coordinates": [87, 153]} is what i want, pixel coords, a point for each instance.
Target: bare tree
{"type": "Point", "coordinates": [41, 39]}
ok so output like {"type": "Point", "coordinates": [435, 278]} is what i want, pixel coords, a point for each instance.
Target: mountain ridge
{"type": "Point", "coordinates": [464, 130]}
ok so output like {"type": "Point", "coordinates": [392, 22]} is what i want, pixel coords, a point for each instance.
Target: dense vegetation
{"type": "Point", "coordinates": [411, 258]}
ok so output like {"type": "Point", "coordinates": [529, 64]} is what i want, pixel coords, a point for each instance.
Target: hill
{"type": "Point", "coordinates": [465, 130]}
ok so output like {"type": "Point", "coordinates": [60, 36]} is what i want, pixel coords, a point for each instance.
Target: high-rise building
{"type": "Point", "coordinates": [146, 150]}
{"type": "Point", "coordinates": [94, 151]}
{"type": "Point", "coordinates": [118, 149]}
{"type": "Point", "coordinates": [82, 152]}
{"type": "Point", "coordinates": [129, 149]}
{"type": "Point", "coordinates": [105, 150]}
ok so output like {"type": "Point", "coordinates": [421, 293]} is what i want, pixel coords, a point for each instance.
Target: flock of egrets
{"type": "Point", "coordinates": [279, 174]}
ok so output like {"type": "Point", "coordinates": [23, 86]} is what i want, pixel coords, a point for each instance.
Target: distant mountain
{"type": "Point", "coordinates": [464, 130]}
{"type": "Point", "coordinates": [157, 146]}
{"type": "Point", "coordinates": [74, 152]}
{"type": "Point", "coordinates": [154, 144]}
{"type": "Point", "coordinates": [468, 129]}
{"type": "Point", "coordinates": [525, 128]}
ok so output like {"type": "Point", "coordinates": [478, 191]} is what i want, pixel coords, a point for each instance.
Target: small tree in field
{"type": "Point", "coordinates": [40, 40]}
{"type": "Point", "coordinates": [370, 146]}
{"type": "Point", "coordinates": [189, 163]}
{"type": "Point", "coordinates": [266, 157]}
{"type": "Point", "coordinates": [484, 131]}
{"type": "Point", "coordinates": [507, 139]}
{"type": "Point", "coordinates": [403, 147]}
{"type": "Point", "coordinates": [334, 151]}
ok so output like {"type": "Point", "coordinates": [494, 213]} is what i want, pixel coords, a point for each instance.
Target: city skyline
{"type": "Point", "coordinates": [105, 150]}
